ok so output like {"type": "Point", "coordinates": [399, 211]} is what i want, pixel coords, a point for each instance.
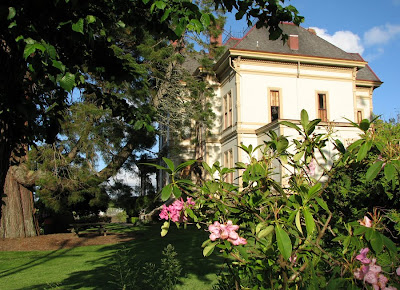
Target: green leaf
{"type": "Point", "coordinates": [373, 170]}
{"type": "Point", "coordinates": [184, 164]}
{"type": "Point", "coordinates": [180, 28]}
{"type": "Point", "coordinates": [339, 146]}
{"type": "Point", "coordinates": [12, 24]}
{"type": "Point", "coordinates": [78, 26]}
{"type": "Point", "coordinates": [165, 15]}
{"type": "Point", "coordinates": [207, 251]}
{"type": "Point", "coordinates": [322, 203]}
{"type": "Point", "coordinates": [282, 144]}
{"type": "Point", "coordinates": [364, 125]}
{"type": "Point", "coordinates": [195, 25]}
{"type": "Point", "coordinates": [360, 230]}
{"type": "Point", "coordinates": [310, 223]}
{"type": "Point", "coordinates": [304, 119]}
{"type": "Point", "coordinates": [314, 190]}
{"type": "Point", "coordinates": [164, 229]}
{"type": "Point", "coordinates": [169, 163]}
{"type": "Point", "coordinates": [291, 125]}
{"type": "Point", "coordinates": [284, 243]}
{"type": "Point", "coordinates": [364, 149]}
{"type": "Point", "coordinates": [160, 5]}
{"type": "Point", "coordinates": [31, 48]}
{"type": "Point", "coordinates": [177, 192]}
{"type": "Point", "coordinates": [145, 1]}
{"type": "Point", "coordinates": [90, 19]}
{"type": "Point", "coordinates": [67, 82]}
{"type": "Point", "coordinates": [298, 224]}
{"type": "Point", "coordinates": [311, 126]}
{"type": "Point", "coordinates": [376, 242]}
{"type": "Point", "coordinates": [243, 252]}
{"type": "Point", "coordinates": [355, 144]}
{"type": "Point", "coordinates": [389, 171]}
{"type": "Point", "coordinates": [265, 232]}
{"type": "Point", "coordinates": [166, 192]}
{"type": "Point", "coordinates": [155, 165]}
{"type": "Point", "coordinates": [59, 65]}
{"type": "Point", "coordinates": [298, 156]}
{"type": "Point", "coordinates": [389, 244]}
{"type": "Point", "coordinates": [11, 13]}
{"type": "Point", "coordinates": [205, 19]}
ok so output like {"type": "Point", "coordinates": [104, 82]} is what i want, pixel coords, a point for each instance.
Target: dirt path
{"type": "Point", "coordinates": [60, 241]}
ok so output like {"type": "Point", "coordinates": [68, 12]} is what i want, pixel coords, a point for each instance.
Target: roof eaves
{"type": "Point", "coordinates": [297, 57]}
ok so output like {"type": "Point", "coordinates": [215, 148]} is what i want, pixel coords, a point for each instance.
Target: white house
{"type": "Point", "coordinates": [261, 82]}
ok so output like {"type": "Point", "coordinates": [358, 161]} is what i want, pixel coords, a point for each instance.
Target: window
{"type": "Point", "coordinates": [322, 108]}
{"type": "Point", "coordinates": [359, 116]}
{"type": "Point", "coordinates": [274, 99]}
{"type": "Point", "coordinates": [228, 110]}
{"type": "Point", "coordinates": [274, 104]}
{"type": "Point", "coordinates": [228, 163]}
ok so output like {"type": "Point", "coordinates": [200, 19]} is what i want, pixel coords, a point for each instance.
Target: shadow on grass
{"type": "Point", "coordinates": [147, 247]}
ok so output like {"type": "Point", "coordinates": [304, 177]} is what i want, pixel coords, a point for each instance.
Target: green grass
{"type": "Point", "coordinates": [91, 267]}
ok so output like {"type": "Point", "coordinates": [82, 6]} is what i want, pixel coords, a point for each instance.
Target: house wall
{"type": "Point", "coordinates": [299, 86]}
{"type": "Point", "coordinates": [364, 101]}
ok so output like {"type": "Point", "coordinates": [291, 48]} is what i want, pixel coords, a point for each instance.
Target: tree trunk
{"type": "Point", "coordinates": [17, 213]}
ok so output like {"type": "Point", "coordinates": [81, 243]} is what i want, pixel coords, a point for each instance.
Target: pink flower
{"type": "Point", "coordinates": [310, 169]}
{"type": "Point", "coordinates": [360, 273]}
{"type": "Point", "coordinates": [374, 268]}
{"type": "Point", "coordinates": [293, 259]}
{"type": "Point", "coordinates": [238, 241]}
{"type": "Point", "coordinates": [226, 232]}
{"type": "Point", "coordinates": [366, 222]}
{"type": "Point", "coordinates": [363, 256]}
{"type": "Point", "coordinates": [175, 210]}
{"type": "Point", "coordinates": [164, 213]}
{"type": "Point", "coordinates": [398, 271]}
{"type": "Point", "coordinates": [382, 281]}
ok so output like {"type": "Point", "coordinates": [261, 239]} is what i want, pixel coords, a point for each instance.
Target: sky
{"type": "Point", "coordinates": [369, 27]}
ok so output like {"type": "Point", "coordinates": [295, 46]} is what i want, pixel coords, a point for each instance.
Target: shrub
{"type": "Point", "coordinates": [289, 237]}
{"type": "Point", "coordinates": [129, 274]}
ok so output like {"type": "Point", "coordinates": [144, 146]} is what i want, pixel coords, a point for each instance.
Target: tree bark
{"type": "Point", "coordinates": [17, 219]}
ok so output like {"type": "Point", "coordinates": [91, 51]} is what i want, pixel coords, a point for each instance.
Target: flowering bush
{"type": "Point", "coordinates": [283, 236]}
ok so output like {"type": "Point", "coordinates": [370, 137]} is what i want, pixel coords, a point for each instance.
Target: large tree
{"type": "Point", "coordinates": [48, 47]}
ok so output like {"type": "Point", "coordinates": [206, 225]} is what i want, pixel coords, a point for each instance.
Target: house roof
{"type": "Point", "coordinates": [310, 45]}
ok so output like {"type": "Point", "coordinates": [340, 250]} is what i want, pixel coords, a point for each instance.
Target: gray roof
{"type": "Point", "coordinates": [309, 45]}
{"type": "Point", "coordinates": [191, 63]}
{"type": "Point", "coordinates": [366, 73]}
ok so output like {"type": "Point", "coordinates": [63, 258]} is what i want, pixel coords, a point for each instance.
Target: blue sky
{"type": "Point", "coordinates": [369, 27]}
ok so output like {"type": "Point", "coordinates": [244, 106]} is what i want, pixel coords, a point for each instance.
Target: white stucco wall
{"type": "Point", "coordinates": [297, 92]}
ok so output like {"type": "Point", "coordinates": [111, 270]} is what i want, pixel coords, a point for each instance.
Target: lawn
{"type": "Point", "coordinates": [91, 267]}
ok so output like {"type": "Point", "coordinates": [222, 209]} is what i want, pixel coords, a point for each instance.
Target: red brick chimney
{"type": "Point", "coordinates": [217, 41]}
{"type": "Point", "coordinates": [293, 42]}
{"type": "Point", "coordinates": [312, 30]}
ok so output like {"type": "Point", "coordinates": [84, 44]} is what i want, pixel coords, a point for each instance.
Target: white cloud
{"type": "Point", "coordinates": [379, 35]}
{"type": "Point", "coordinates": [346, 40]}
